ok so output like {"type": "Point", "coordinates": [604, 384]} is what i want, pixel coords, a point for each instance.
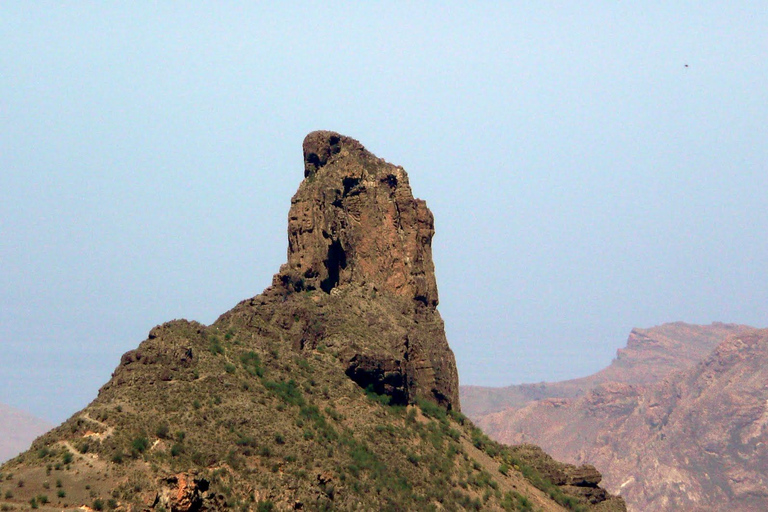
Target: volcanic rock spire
{"type": "Point", "coordinates": [360, 244]}
{"type": "Point", "coordinates": [354, 220]}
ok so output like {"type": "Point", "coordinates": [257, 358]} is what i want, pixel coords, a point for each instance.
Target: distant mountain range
{"type": "Point", "coordinates": [678, 421]}
{"type": "Point", "coordinates": [17, 431]}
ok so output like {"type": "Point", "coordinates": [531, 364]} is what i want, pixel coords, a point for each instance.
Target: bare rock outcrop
{"type": "Point", "coordinates": [354, 220]}
{"type": "Point", "coordinates": [649, 356]}
{"type": "Point", "coordinates": [186, 492]}
{"type": "Point", "coordinates": [359, 277]}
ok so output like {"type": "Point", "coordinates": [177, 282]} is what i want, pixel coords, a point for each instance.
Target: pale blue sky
{"type": "Point", "coordinates": [583, 179]}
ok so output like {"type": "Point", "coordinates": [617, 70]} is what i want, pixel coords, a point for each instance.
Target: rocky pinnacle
{"type": "Point", "coordinates": [358, 237]}
{"type": "Point", "coordinates": [354, 220]}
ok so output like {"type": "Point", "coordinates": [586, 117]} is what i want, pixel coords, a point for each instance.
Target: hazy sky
{"type": "Point", "coordinates": [592, 167]}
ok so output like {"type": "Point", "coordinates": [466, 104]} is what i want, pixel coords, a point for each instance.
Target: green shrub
{"type": "Point", "coordinates": [61, 493]}
{"type": "Point", "coordinates": [478, 440]}
{"type": "Point", "coordinates": [98, 504]}
{"type": "Point", "coordinates": [139, 445]}
{"type": "Point", "coordinates": [371, 393]}
{"type": "Point", "coordinates": [432, 410]}
{"type": "Point", "coordinates": [288, 391]}
{"type": "Point", "coordinates": [457, 417]}
{"type": "Point", "coordinates": [252, 364]}
{"type": "Point", "coordinates": [215, 346]}
{"type": "Point", "coordinates": [246, 441]}
{"type": "Point", "coordinates": [303, 364]}
{"type": "Point", "coordinates": [67, 458]}
{"type": "Point", "coordinates": [33, 503]}
{"type": "Point", "coordinates": [265, 506]}
{"type": "Point", "coordinates": [333, 413]}
{"type": "Point", "coordinates": [162, 431]}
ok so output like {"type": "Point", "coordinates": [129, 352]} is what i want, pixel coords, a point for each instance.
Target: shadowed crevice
{"type": "Point", "coordinates": [336, 261]}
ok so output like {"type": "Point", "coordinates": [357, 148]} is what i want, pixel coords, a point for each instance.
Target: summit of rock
{"type": "Point", "coordinates": [354, 220]}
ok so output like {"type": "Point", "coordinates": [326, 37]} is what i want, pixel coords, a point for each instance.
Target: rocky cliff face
{"type": "Point", "coordinates": [354, 220]}
{"type": "Point", "coordinates": [693, 440]}
{"type": "Point", "coordinates": [356, 232]}
{"type": "Point", "coordinates": [359, 244]}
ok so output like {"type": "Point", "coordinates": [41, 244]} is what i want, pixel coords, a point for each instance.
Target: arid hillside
{"type": "Point", "coordinates": [693, 440]}
{"type": "Point", "coordinates": [334, 389]}
{"type": "Point", "coordinates": [649, 356]}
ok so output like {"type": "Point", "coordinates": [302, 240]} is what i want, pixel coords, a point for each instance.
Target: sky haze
{"type": "Point", "coordinates": [592, 167]}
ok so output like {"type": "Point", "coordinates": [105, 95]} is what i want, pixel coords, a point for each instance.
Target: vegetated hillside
{"type": "Point", "coordinates": [650, 355]}
{"type": "Point", "coordinates": [335, 389]}
{"type": "Point", "coordinates": [17, 431]}
{"type": "Point", "coordinates": [693, 441]}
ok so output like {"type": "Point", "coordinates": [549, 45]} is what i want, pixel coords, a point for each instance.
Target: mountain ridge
{"type": "Point", "coordinates": [334, 389]}
{"type": "Point", "coordinates": [648, 356]}
{"type": "Point", "coordinates": [692, 440]}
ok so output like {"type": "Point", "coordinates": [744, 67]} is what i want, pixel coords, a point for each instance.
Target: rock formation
{"type": "Point", "coordinates": [695, 439]}
{"type": "Point", "coordinates": [356, 232]}
{"type": "Point", "coordinates": [334, 389]}
{"type": "Point", "coordinates": [354, 220]}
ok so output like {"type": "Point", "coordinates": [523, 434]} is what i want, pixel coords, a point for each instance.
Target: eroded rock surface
{"type": "Point", "coordinates": [361, 245]}
{"type": "Point", "coordinates": [185, 492]}
{"type": "Point", "coordinates": [649, 356]}
{"type": "Point", "coordinates": [354, 220]}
